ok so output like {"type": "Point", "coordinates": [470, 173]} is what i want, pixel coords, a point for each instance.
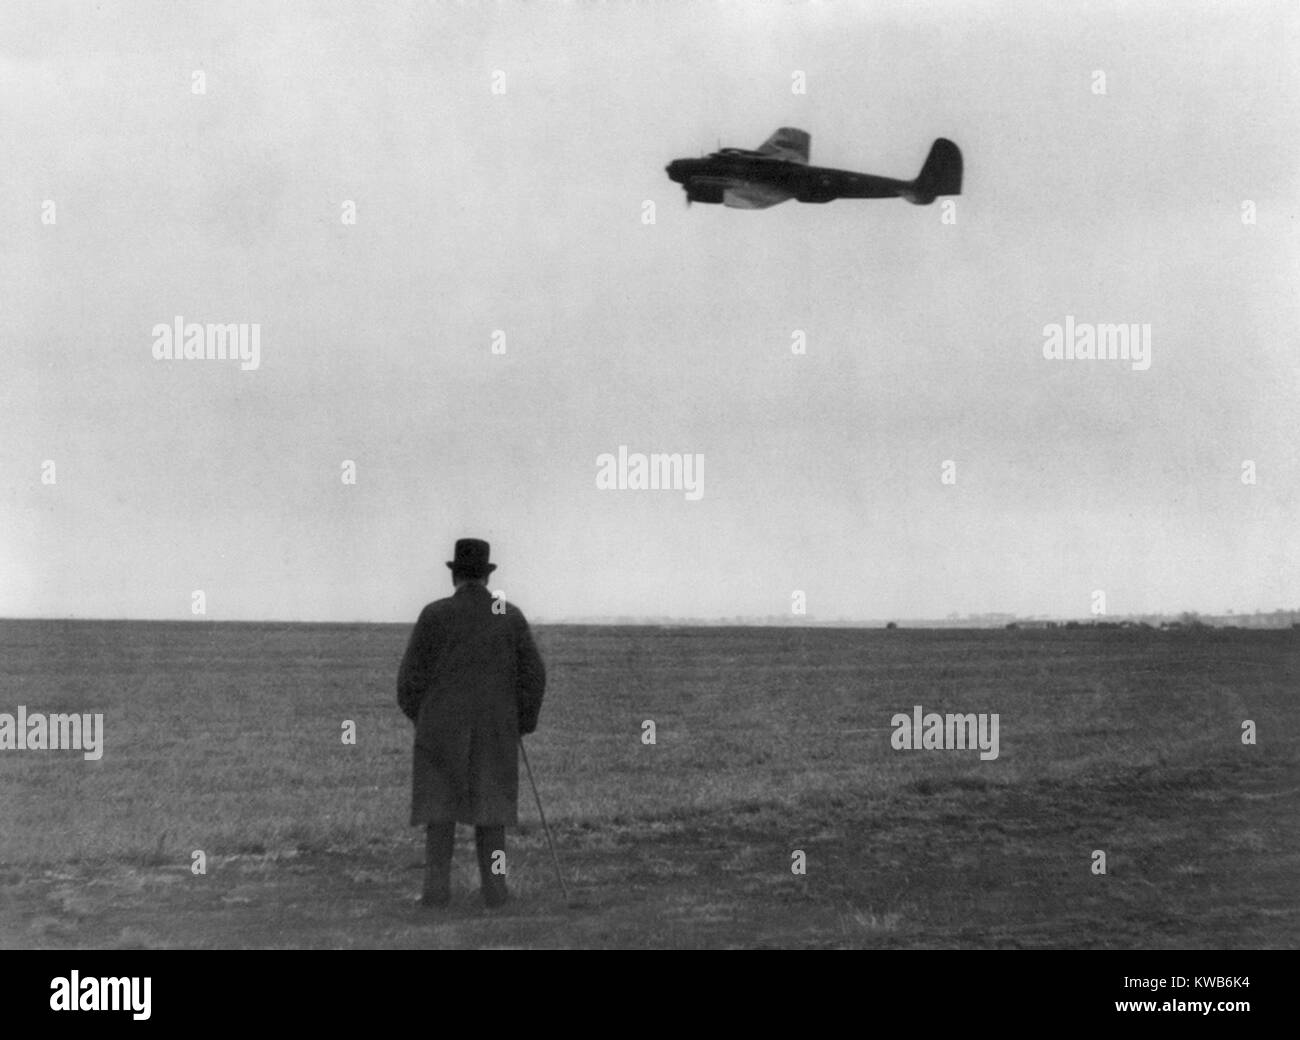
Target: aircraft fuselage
{"type": "Point", "coordinates": [714, 178]}
{"type": "Point", "coordinates": [778, 170]}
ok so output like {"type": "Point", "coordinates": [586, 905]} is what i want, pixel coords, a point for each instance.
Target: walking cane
{"type": "Point", "coordinates": [568, 900]}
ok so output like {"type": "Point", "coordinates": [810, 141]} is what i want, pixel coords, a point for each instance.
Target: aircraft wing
{"type": "Point", "coordinates": [788, 144]}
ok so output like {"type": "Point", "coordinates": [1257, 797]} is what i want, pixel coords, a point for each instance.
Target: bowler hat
{"type": "Point", "coordinates": [472, 557]}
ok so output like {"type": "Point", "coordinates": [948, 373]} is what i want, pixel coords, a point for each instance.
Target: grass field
{"type": "Point", "coordinates": [226, 738]}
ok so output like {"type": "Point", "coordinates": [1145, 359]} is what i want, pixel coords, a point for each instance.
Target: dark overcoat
{"type": "Point", "coordinates": [471, 681]}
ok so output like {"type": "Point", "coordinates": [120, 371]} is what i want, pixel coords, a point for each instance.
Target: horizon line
{"type": "Point", "coordinates": [738, 621]}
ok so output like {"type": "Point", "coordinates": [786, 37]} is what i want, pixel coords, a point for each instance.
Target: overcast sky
{"type": "Point", "coordinates": [525, 211]}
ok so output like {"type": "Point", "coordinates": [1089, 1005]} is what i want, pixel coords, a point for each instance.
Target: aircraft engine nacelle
{"type": "Point", "coordinates": [818, 193]}
{"type": "Point", "coordinates": [699, 190]}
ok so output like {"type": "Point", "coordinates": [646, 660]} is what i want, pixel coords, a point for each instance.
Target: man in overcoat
{"type": "Point", "coordinates": [472, 681]}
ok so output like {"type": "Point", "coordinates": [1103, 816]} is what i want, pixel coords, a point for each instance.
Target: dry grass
{"type": "Point", "coordinates": [226, 739]}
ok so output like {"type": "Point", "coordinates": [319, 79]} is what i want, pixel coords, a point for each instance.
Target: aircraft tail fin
{"type": "Point", "coordinates": [941, 174]}
{"type": "Point", "coordinates": [789, 144]}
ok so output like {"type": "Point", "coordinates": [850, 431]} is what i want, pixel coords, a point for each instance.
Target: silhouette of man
{"type": "Point", "coordinates": [471, 681]}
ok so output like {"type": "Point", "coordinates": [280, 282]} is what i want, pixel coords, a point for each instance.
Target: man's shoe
{"type": "Point", "coordinates": [436, 898]}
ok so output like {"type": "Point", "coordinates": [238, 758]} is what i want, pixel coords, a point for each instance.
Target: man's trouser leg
{"type": "Point", "coordinates": [439, 842]}
{"type": "Point", "coordinates": [488, 840]}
